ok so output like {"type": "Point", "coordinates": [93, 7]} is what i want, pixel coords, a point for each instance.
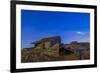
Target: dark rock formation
{"type": "Point", "coordinates": [51, 49]}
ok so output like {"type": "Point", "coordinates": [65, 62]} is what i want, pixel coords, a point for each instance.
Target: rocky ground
{"type": "Point", "coordinates": [55, 53]}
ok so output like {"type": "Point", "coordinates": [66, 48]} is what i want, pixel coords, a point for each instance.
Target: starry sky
{"type": "Point", "coordinates": [70, 26]}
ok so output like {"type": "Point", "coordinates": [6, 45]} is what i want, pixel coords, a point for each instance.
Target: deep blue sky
{"type": "Point", "coordinates": [70, 26]}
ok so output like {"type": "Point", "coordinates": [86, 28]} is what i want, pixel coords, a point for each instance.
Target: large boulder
{"type": "Point", "coordinates": [53, 51]}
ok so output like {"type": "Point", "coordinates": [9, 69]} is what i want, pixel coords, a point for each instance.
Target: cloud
{"type": "Point", "coordinates": [80, 33]}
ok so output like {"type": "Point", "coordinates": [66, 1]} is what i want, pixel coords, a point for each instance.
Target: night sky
{"type": "Point", "coordinates": [70, 26]}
